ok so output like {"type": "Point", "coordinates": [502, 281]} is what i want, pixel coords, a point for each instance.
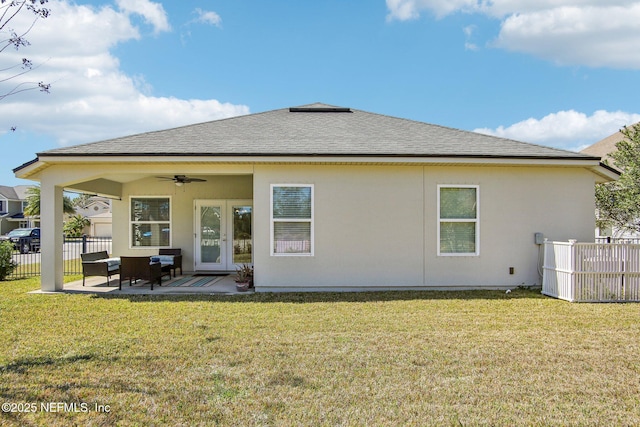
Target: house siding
{"type": "Point", "coordinates": [368, 228]}
{"type": "Point", "coordinates": [515, 203]}
{"type": "Point", "coordinates": [376, 226]}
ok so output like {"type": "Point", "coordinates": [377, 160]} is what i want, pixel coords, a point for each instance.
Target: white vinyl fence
{"type": "Point", "coordinates": [591, 272]}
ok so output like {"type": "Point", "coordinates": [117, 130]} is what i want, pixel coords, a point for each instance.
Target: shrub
{"type": "Point", "coordinates": [7, 264]}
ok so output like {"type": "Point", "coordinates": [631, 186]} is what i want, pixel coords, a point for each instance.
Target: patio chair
{"type": "Point", "coordinates": [99, 264]}
{"type": "Point", "coordinates": [176, 261]}
{"type": "Point", "coordinates": [140, 268]}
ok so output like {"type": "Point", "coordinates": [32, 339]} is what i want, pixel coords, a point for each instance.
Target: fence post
{"type": "Point", "coordinates": [624, 266]}
{"type": "Point", "coordinates": [84, 243]}
{"type": "Point", "coordinates": [572, 264]}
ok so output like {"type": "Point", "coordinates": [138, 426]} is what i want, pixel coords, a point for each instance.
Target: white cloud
{"type": "Point", "coordinates": [571, 130]}
{"type": "Point", "coordinates": [208, 17]}
{"type": "Point", "coordinates": [468, 32]}
{"type": "Point", "coordinates": [91, 97]}
{"type": "Point", "coordinates": [577, 32]}
{"type": "Point", "coordinates": [410, 9]}
{"type": "Point", "coordinates": [593, 36]}
{"type": "Point", "coordinates": [152, 13]}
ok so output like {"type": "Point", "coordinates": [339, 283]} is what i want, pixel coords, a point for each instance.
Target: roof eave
{"type": "Point", "coordinates": [43, 160]}
{"type": "Point", "coordinates": [301, 154]}
{"type": "Point", "coordinates": [26, 170]}
{"type": "Point", "coordinates": [31, 170]}
{"type": "Point", "coordinates": [606, 172]}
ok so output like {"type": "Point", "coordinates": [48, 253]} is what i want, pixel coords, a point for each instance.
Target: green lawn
{"type": "Point", "coordinates": [399, 358]}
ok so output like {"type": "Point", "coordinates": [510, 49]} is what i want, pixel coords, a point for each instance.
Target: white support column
{"type": "Point", "coordinates": [51, 229]}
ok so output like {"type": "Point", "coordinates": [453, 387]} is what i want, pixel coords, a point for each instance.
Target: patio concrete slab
{"type": "Point", "coordinates": [98, 285]}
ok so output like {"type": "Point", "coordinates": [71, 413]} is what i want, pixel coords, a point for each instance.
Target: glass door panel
{"type": "Point", "coordinates": [210, 252]}
{"type": "Point", "coordinates": [242, 248]}
{"type": "Point", "coordinates": [210, 234]}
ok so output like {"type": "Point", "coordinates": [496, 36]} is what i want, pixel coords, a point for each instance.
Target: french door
{"type": "Point", "coordinates": [223, 237]}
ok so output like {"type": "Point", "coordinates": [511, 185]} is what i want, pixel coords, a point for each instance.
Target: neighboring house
{"type": "Point", "coordinates": [98, 210]}
{"type": "Point", "coordinates": [13, 200]}
{"type": "Point", "coordinates": [604, 148]}
{"type": "Point", "coordinates": [101, 225]}
{"type": "Point", "coordinates": [94, 206]}
{"type": "Point", "coordinates": [329, 198]}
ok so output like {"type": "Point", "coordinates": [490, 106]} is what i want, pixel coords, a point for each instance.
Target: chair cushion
{"type": "Point", "coordinates": [164, 259]}
{"type": "Point", "coordinates": [111, 262]}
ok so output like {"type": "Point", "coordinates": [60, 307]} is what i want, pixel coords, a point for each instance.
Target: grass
{"type": "Point", "coordinates": [397, 358]}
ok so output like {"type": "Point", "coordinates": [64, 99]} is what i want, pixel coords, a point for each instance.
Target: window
{"type": "Point", "coordinates": [291, 219]}
{"type": "Point", "coordinates": [150, 221]}
{"type": "Point", "coordinates": [458, 232]}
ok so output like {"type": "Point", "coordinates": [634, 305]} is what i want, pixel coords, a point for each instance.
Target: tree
{"type": "Point", "coordinates": [9, 9]}
{"type": "Point", "coordinates": [75, 225]}
{"type": "Point", "coordinates": [33, 203]}
{"type": "Point", "coordinates": [618, 202]}
{"type": "Point", "coordinates": [82, 201]}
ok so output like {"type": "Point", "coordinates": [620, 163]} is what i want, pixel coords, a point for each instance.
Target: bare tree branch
{"type": "Point", "coordinates": [9, 10]}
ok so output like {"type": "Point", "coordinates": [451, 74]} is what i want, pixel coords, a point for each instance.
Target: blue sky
{"type": "Point", "coordinates": [561, 73]}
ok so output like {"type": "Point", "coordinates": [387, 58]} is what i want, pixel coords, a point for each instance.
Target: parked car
{"type": "Point", "coordinates": [24, 239]}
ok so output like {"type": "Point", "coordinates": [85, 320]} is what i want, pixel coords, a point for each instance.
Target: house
{"type": "Point", "coordinates": [98, 210]}
{"type": "Point", "coordinates": [605, 147]}
{"type": "Point", "coordinates": [13, 200]}
{"type": "Point", "coordinates": [329, 198]}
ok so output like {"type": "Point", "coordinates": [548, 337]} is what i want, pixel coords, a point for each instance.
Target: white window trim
{"type": "Point", "coordinates": [476, 220]}
{"type": "Point", "coordinates": [273, 220]}
{"type": "Point", "coordinates": [131, 222]}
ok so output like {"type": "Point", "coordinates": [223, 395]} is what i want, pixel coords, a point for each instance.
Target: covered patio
{"type": "Point", "coordinates": [179, 227]}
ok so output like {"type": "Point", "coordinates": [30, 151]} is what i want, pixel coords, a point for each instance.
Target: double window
{"type": "Point", "coordinates": [291, 219]}
{"type": "Point", "coordinates": [150, 221]}
{"type": "Point", "coordinates": [458, 225]}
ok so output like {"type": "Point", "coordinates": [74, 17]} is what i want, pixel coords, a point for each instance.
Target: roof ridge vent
{"type": "Point", "coordinates": [319, 110]}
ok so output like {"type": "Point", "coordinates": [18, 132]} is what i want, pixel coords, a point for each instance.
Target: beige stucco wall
{"type": "Point", "coordinates": [515, 203]}
{"type": "Point", "coordinates": [182, 209]}
{"type": "Point", "coordinates": [368, 227]}
{"type": "Point", "coordinates": [376, 226]}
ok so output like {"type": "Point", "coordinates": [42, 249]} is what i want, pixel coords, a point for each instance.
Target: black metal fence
{"type": "Point", "coordinates": [627, 240]}
{"type": "Point", "coordinates": [29, 263]}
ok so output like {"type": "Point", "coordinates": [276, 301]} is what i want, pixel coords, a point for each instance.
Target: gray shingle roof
{"type": "Point", "coordinates": [319, 133]}
{"type": "Point", "coordinates": [8, 192]}
{"type": "Point", "coordinates": [19, 192]}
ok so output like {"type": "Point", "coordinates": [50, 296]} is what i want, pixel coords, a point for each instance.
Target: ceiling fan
{"type": "Point", "coordinates": [181, 179]}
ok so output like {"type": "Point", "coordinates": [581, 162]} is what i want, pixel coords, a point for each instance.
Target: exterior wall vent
{"type": "Point", "coordinates": [319, 110]}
